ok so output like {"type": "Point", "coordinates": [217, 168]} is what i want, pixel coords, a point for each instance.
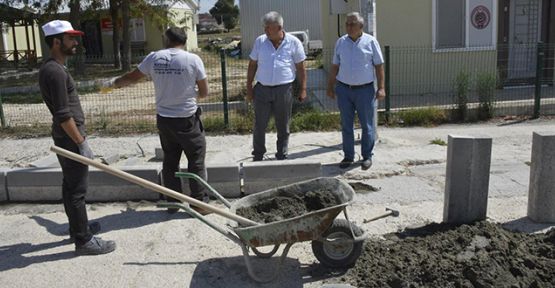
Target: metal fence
{"type": "Point", "coordinates": [517, 80]}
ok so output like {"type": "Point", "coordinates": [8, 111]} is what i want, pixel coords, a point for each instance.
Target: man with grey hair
{"type": "Point", "coordinates": [357, 64]}
{"type": "Point", "coordinates": [276, 58]}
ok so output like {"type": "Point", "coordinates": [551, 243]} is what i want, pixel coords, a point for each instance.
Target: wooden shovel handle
{"type": "Point", "coordinates": [151, 186]}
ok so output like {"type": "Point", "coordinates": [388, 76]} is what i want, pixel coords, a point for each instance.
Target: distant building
{"type": "Point", "coordinates": [207, 24]}
{"type": "Point", "coordinates": [297, 15]}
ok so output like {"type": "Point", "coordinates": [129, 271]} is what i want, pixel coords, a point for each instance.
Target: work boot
{"type": "Point", "coordinates": [281, 157]}
{"type": "Point", "coordinates": [345, 163]}
{"type": "Point", "coordinates": [366, 164]}
{"type": "Point", "coordinates": [94, 228]}
{"type": "Point", "coordinates": [95, 246]}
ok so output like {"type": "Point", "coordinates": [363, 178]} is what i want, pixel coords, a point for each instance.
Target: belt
{"type": "Point", "coordinates": [355, 86]}
{"type": "Point", "coordinates": [274, 86]}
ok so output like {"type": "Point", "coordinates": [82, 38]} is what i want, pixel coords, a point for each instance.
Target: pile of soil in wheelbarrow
{"type": "Point", "coordinates": [288, 205]}
{"type": "Point", "coordinates": [439, 255]}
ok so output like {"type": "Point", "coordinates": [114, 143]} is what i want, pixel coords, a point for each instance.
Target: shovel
{"type": "Point", "coordinates": [151, 186]}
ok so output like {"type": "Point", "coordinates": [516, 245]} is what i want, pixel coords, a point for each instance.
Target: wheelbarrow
{"type": "Point", "coordinates": [335, 242]}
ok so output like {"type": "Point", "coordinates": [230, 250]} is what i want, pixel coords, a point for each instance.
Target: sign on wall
{"type": "Point", "coordinates": [480, 30]}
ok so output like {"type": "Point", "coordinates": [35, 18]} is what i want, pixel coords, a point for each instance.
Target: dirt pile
{"type": "Point", "coordinates": [288, 205]}
{"type": "Point", "coordinates": [440, 255]}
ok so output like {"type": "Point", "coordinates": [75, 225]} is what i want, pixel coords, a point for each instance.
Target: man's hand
{"type": "Point", "coordinates": [331, 93]}
{"type": "Point", "coordinates": [380, 94]}
{"type": "Point", "coordinates": [302, 94]}
{"type": "Point", "coordinates": [250, 94]}
{"type": "Point", "coordinates": [85, 149]}
{"type": "Point", "coordinates": [109, 83]}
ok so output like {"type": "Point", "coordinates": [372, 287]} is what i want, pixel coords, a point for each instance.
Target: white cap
{"type": "Point", "coordinates": [60, 26]}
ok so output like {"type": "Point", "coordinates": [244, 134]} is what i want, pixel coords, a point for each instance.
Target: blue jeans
{"type": "Point", "coordinates": [361, 100]}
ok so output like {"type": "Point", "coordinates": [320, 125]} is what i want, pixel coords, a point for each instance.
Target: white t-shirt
{"type": "Point", "coordinates": [277, 66]}
{"type": "Point", "coordinates": [174, 73]}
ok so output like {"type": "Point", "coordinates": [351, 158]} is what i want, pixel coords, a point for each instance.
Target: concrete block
{"type": "Point", "coordinates": [3, 185]}
{"type": "Point", "coordinates": [50, 161]}
{"type": "Point", "coordinates": [110, 159]}
{"type": "Point", "coordinates": [224, 178]}
{"type": "Point", "coordinates": [541, 193]}
{"type": "Point", "coordinates": [133, 161]}
{"type": "Point", "coordinates": [45, 184]}
{"type": "Point", "coordinates": [467, 179]}
{"type": "Point", "coordinates": [263, 175]}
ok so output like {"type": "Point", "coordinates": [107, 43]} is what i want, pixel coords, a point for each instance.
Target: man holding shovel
{"type": "Point", "coordinates": [68, 131]}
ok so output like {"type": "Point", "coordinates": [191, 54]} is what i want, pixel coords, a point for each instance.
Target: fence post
{"type": "Point", "coordinates": [387, 85]}
{"type": "Point", "coordinates": [224, 88]}
{"type": "Point", "coordinates": [2, 119]}
{"type": "Point", "coordinates": [539, 72]}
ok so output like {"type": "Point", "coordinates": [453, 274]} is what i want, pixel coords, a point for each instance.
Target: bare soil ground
{"type": "Point", "coordinates": [441, 255]}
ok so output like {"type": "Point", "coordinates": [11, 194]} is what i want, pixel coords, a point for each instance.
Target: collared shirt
{"type": "Point", "coordinates": [175, 73]}
{"type": "Point", "coordinates": [357, 59]}
{"type": "Point", "coordinates": [277, 66]}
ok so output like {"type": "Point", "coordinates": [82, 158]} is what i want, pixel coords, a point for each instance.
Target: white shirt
{"type": "Point", "coordinates": [357, 59]}
{"type": "Point", "coordinates": [174, 73]}
{"type": "Point", "coordinates": [277, 66]}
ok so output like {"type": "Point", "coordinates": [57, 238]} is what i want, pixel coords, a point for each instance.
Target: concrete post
{"type": "Point", "coordinates": [541, 194]}
{"type": "Point", "coordinates": [467, 179]}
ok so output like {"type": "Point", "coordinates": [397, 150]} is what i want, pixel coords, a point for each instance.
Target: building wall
{"type": "Point", "coordinates": [406, 26]}
{"type": "Point", "coordinates": [185, 18]}
{"type": "Point", "coordinates": [297, 15]}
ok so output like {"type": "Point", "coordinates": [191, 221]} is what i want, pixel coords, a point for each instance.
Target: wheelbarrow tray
{"type": "Point", "coordinates": [306, 227]}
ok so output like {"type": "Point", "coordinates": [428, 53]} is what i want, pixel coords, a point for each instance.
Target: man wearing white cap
{"type": "Point", "coordinates": [68, 131]}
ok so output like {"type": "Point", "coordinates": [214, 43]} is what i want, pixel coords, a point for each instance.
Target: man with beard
{"type": "Point", "coordinates": [68, 131]}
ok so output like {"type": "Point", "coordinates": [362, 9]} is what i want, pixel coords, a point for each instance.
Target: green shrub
{"type": "Point", "coordinates": [462, 87]}
{"type": "Point", "coordinates": [315, 121]}
{"type": "Point", "coordinates": [422, 117]}
{"type": "Point", "coordinates": [485, 87]}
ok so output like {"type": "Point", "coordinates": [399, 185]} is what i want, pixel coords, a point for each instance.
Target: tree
{"type": "Point", "coordinates": [225, 11]}
{"type": "Point", "coordinates": [114, 12]}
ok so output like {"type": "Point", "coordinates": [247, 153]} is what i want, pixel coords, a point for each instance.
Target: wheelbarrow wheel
{"type": "Point", "coordinates": [265, 254]}
{"type": "Point", "coordinates": [336, 248]}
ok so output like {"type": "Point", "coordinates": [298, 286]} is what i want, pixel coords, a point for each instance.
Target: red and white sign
{"type": "Point", "coordinates": [480, 17]}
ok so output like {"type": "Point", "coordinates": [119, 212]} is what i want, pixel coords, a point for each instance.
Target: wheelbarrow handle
{"type": "Point", "coordinates": [151, 186]}
{"type": "Point", "coordinates": [205, 184]}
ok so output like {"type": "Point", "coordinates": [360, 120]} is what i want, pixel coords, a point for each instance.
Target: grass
{"type": "Point", "coordinates": [437, 141]}
{"type": "Point", "coordinates": [421, 117]}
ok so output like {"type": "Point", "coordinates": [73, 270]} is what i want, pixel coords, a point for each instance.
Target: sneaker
{"type": "Point", "coordinates": [366, 164]}
{"type": "Point", "coordinates": [345, 163]}
{"type": "Point", "coordinates": [95, 246]}
{"type": "Point", "coordinates": [94, 227]}
{"type": "Point", "coordinates": [256, 158]}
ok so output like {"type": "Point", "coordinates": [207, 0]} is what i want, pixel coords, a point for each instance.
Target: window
{"type": "Point", "coordinates": [460, 24]}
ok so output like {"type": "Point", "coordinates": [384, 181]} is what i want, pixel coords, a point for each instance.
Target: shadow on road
{"type": "Point", "coordinates": [14, 256]}
{"type": "Point", "coordinates": [526, 225]}
{"type": "Point", "coordinates": [126, 219]}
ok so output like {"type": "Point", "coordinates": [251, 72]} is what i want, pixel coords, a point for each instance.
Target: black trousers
{"type": "Point", "coordinates": [179, 135]}
{"type": "Point", "coordinates": [74, 189]}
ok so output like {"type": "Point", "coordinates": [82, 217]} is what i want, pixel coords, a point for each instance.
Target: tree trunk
{"type": "Point", "coordinates": [126, 49]}
{"type": "Point", "coordinates": [114, 8]}
{"type": "Point", "coordinates": [74, 18]}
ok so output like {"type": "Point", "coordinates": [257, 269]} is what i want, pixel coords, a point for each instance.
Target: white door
{"type": "Point", "coordinates": [524, 34]}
